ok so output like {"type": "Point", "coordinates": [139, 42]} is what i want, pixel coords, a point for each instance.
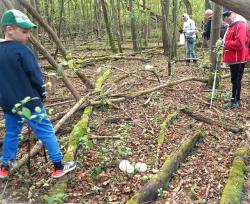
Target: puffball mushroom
{"type": "Point", "coordinates": [148, 66]}
{"type": "Point", "coordinates": [126, 167]}
{"type": "Point", "coordinates": [141, 167]}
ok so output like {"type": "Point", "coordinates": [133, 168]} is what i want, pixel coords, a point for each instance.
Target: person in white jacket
{"type": "Point", "coordinates": [189, 30]}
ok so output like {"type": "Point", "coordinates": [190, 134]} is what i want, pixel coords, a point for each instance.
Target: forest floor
{"type": "Point", "coordinates": [97, 178]}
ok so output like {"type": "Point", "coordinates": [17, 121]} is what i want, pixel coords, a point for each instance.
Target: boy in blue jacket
{"type": "Point", "coordinates": [21, 77]}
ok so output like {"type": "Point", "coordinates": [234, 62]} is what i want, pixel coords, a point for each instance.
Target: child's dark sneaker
{"type": "Point", "coordinates": [67, 167]}
{"type": "Point", "coordinates": [4, 172]}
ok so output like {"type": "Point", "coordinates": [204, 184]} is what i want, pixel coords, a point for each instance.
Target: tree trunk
{"type": "Point", "coordinates": [119, 18]}
{"type": "Point", "coordinates": [165, 34]}
{"type": "Point", "coordinates": [241, 7]}
{"type": "Point", "coordinates": [108, 26]}
{"type": "Point", "coordinates": [188, 6]}
{"type": "Point", "coordinates": [175, 13]}
{"type": "Point", "coordinates": [145, 25]}
{"type": "Point", "coordinates": [215, 34]}
{"type": "Point", "coordinates": [207, 5]}
{"type": "Point", "coordinates": [35, 31]}
{"type": "Point", "coordinates": [115, 25]}
{"type": "Point", "coordinates": [133, 26]}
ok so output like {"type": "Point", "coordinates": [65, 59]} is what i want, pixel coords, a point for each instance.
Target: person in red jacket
{"type": "Point", "coordinates": [235, 52]}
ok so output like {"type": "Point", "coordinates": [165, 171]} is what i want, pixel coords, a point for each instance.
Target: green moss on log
{"type": "Point", "coordinates": [149, 191]}
{"type": "Point", "coordinates": [243, 152]}
{"type": "Point", "coordinates": [60, 187]}
{"type": "Point", "coordinates": [103, 77]}
{"type": "Point", "coordinates": [233, 189]}
{"type": "Point", "coordinates": [164, 125]}
{"type": "Point", "coordinates": [79, 131]}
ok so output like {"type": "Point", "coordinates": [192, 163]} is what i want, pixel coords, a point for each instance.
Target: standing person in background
{"type": "Point", "coordinates": [207, 27]}
{"type": "Point", "coordinates": [190, 37]}
{"type": "Point", "coordinates": [235, 52]}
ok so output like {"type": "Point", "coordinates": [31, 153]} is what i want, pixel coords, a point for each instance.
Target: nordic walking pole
{"type": "Point", "coordinates": [215, 76]}
{"type": "Point", "coordinates": [213, 89]}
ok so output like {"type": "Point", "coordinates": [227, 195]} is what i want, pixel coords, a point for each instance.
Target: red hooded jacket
{"type": "Point", "coordinates": [236, 43]}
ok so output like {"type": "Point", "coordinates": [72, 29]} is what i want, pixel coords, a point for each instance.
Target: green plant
{"type": "Point", "coordinates": [25, 113]}
{"type": "Point", "coordinates": [85, 141]}
{"type": "Point", "coordinates": [160, 192]}
{"type": "Point", "coordinates": [58, 198]}
{"type": "Point", "coordinates": [95, 171]}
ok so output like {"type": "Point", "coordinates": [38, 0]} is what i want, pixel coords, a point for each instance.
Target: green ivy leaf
{"type": "Point", "coordinates": [70, 64]}
{"type": "Point", "coordinates": [38, 109]}
{"type": "Point", "coordinates": [59, 69]}
{"type": "Point", "coordinates": [68, 56]}
{"type": "Point", "coordinates": [25, 100]}
{"type": "Point", "coordinates": [26, 112]}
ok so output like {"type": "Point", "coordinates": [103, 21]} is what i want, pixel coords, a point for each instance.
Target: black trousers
{"type": "Point", "coordinates": [237, 71]}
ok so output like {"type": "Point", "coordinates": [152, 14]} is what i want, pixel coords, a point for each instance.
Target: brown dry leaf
{"type": "Point", "coordinates": [126, 189]}
{"type": "Point", "coordinates": [113, 198]}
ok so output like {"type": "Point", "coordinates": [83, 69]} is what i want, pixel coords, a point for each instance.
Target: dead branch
{"type": "Point", "coordinates": [211, 121]}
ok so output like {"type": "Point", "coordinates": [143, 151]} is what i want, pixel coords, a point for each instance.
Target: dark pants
{"type": "Point", "coordinates": [237, 71]}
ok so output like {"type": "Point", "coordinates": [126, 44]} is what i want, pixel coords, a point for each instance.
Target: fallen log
{"type": "Point", "coordinates": [79, 132]}
{"type": "Point", "coordinates": [167, 84]}
{"type": "Point", "coordinates": [234, 186]}
{"type": "Point", "coordinates": [211, 121]}
{"type": "Point", "coordinates": [160, 140]}
{"type": "Point", "coordinates": [149, 192]}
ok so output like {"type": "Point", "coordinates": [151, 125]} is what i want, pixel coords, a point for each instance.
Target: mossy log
{"type": "Point", "coordinates": [211, 121]}
{"type": "Point", "coordinates": [166, 123]}
{"type": "Point", "coordinates": [234, 186]}
{"type": "Point", "coordinates": [79, 131]}
{"type": "Point", "coordinates": [149, 192]}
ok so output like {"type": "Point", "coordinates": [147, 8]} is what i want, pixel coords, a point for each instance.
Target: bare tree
{"type": "Point", "coordinates": [115, 25]}
{"type": "Point", "coordinates": [188, 6]}
{"type": "Point", "coordinates": [133, 26]}
{"type": "Point", "coordinates": [108, 26]}
{"type": "Point", "coordinates": [215, 33]}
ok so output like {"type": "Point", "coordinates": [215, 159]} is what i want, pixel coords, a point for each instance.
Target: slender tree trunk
{"type": "Point", "coordinates": [61, 6]}
{"type": "Point", "coordinates": [35, 31]}
{"type": "Point", "coordinates": [114, 15]}
{"type": "Point", "coordinates": [175, 13]}
{"type": "Point", "coordinates": [165, 34]}
{"type": "Point", "coordinates": [188, 6]}
{"type": "Point", "coordinates": [133, 26]}
{"type": "Point", "coordinates": [119, 19]}
{"type": "Point", "coordinates": [145, 25]}
{"type": "Point", "coordinates": [207, 4]}
{"type": "Point", "coordinates": [108, 26]}
{"type": "Point", "coordinates": [215, 33]}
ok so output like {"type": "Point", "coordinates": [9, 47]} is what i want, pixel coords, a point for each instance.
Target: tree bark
{"type": "Point", "coordinates": [165, 34]}
{"type": "Point", "coordinates": [188, 6]}
{"type": "Point", "coordinates": [108, 26]}
{"type": "Point", "coordinates": [133, 26]}
{"type": "Point", "coordinates": [115, 25]}
{"type": "Point", "coordinates": [215, 34]}
{"type": "Point", "coordinates": [241, 7]}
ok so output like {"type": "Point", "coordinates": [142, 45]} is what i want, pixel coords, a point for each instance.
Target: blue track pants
{"type": "Point", "coordinates": [43, 130]}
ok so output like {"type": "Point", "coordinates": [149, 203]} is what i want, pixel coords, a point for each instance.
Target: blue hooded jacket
{"type": "Point", "coordinates": [20, 76]}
